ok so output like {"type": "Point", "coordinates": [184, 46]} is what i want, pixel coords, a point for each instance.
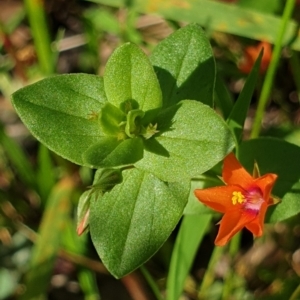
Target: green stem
{"type": "Point", "coordinates": [208, 178]}
{"type": "Point", "coordinates": [151, 283]}
{"type": "Point", "coordinates": [295, 66]}
{"type": "Point", "coordinates": [296, 294]}
{"type": "Point", "coordinates": [267, 85]}
{"type": "Point", "coordinates": [88, 284]}
{"type": "Point", "coordinates": [233, 250]}
{"type": "Point", "coordinates": [209, 273]}
{"type": "Point", "coordinates": [235, 244]}
{"type": "Point", "coordinates": [38, 24]}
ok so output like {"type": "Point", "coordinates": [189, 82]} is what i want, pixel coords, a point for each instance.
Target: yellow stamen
{"type": "Point", "coordinates": [237, 197]}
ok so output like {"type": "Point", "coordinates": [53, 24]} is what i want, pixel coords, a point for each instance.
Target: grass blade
{"type": "Point", "coordinates": [223, 98]}
{"type": "Point", "coordinates": [45, 173]}
{"type": "Point", "coordinates": [88, 284]}
{"type": "Point", "coordinates": [48, 242]}
{"type": "Point", "coordinates": [38, 24]}
{"type": "Point", "coordinates": [217, 16]}
{"type": "Point", "coordinates": [191, 233]}
{"type": "Point", "coordinates": [270, 75]}
{"type": "Point", "coordinates": [238, 114]}
{"type": "Point", "coordinates": [18, 159]}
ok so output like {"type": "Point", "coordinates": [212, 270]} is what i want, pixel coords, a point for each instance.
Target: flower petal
{"type": "Point", "coordinates": [219, 198]}
{"type": "Point", "coordinates": [232, 222]}
{"type": "Point", "coordinates": [255, 228]}
{"type": "Point", "coordinates": [257, 225]}
{"type": "Point", "coordinates": [266, 183]}
{"type": "Point", "coordinates": [234, 172]}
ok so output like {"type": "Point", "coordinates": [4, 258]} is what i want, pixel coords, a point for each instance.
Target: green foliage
{"type": "Point", "coordinates": [45, 174]}
{"type": "Point", "coordinates": [239, 111]}
{"type": "Point", "coordinates": [124, 121]}
{"type": "Point", "coordinates": [223, 99]}
{"type": "Point", "coordinates": [150, 128]}
{"type": "Point", "coordinates": [8, 283]}
{"type": "Point", "coordinates": [18, 158]}
{"type": "Point", "coordinates": [268, 6]}
{"type": "Point", "coordinates": [60, 111]}
{"type": "Point", "coordinates": [46, 248]}
{"type": "Point", "coordinates": [38, 23]}
{"type": "Point", "coordinates": [221, 17]}
{"type": "Point", "coordinates": [105, 180]}
{"type": "Point", "coordinates": [130, 223]}
{"type": "Point", "coordinates": [191, 139]}
{"type": "Point", "coordinates": [190, 236]}
{"type": "Point", "coordinates": [109, 152]}
{"type": "Point", "coordinates": [130, 82]}
{"type": "Point", "coordinates": [187, 242]}
{"type": "Point", "coordinates": [182, 62]}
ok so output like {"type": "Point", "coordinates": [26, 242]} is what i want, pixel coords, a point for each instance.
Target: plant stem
{"type": "Point", "coordinates": [151, 283]}
{"type": "Point", "coordinates": [295, 294]}
{"type": "Point", "coordinates": [233, 250]}
{"type": "Point", "coordinates": [267, 85]}
{"type": "Point", "coordinates": [88, 284]}
{"type": "Point", "coordinates": [295, 67]}
{"type": "Point", "coordinates": [38, 24]}
{"type": "Point", "coordinates": [209, 276]}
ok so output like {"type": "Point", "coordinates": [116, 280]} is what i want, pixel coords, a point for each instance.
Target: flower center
{"type": "Point", "coordinates": [252, 199]}
{"type": "Point", "coordinates": [237, 197]}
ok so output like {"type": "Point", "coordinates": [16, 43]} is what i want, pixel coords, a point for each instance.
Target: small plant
{"type": "Point", "coordinates": [150, 129]}
{"type": "Point", "coordinates": [151, 119]}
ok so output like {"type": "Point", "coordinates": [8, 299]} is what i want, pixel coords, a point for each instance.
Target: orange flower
{"type": "Point", "coordinates": [250, 55]}
{"type": "Point", "coordinates": [244, 200]}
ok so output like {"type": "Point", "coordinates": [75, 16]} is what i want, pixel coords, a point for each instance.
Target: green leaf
{"type": "Point", "coordinates": [132, 221]}
{"type": "Point", "coordinates": [83, 211]}
{"type": "Point", "coordinates": [218, 16]}
{"type": "Point", "coordinates": [282, 158]}
{"type": "Point", "coordinates": [266, 6]}
{"type": "Point", "coordinates": [192, 138]}
{"type": "Point", "coordinates": [293, 137]}
{"type": "Point", "coordinates": [129, 76]}
{"type": "Point", "coordinates": [133, 126]}
{"type": "Point", "coordinates": [191, 233]}
{"type": "Point", "coordinates": [111, 152]}
{"type": "Point", "coordinates": [223, 98]}
{"type": "Point", "coordinates": [106, 179]}
{"type": "Point", "coordinates": [9, 281]}
{"type": "Point", "coordinates": [76, 246]}
{"type": "Point", "coordinates": [110, 119]}
{"type": "Point", "coordinates": [88, 284]}
{"type": "Point", "coordinates": [103, 20]}
{"type": "Point", "coordinates": [185, 66]}
{"type": "Point", "coordinates": [59, 111]}
{"type": "Point", "coordinates": [238, 114]}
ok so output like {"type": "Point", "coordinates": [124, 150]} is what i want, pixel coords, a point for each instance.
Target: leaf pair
{"type": "Point", "coordinates": [151, 118]}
